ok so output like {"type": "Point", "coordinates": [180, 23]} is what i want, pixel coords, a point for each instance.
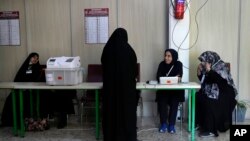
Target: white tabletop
{"type": "Point", "coordinates": [7, 85]}
{"type": "Point", "coordinates": [183, 85]}
{"type": "Point", "coordinates": [93, 85]}
{"type": "Point", "coordinates": [43, 85]}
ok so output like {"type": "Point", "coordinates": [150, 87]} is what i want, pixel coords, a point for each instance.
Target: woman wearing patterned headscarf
{"type": "Point", "coordinates": [216, 98]}
{"type": "Point", "coordinates": [170, 66]}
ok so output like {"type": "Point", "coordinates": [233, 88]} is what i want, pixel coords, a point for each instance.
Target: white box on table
{"type": "Point", "coordinates": [65, 76]}
{"type": "Point", "coordinates": [64, 62]}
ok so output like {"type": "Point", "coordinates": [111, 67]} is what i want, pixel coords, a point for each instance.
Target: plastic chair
{"type": "Point", "coordinates": [181, 115]}
{"type": "Point", "coordinates": [138, 93]}
{"type": "Point", "coordinates": [94, 74]}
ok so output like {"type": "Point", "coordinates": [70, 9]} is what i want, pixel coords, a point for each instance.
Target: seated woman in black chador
{"type": "Point", "coordinates": [30, 71]}
{"type": "Point", "coordinates": [170, 66]}
{"type": "Point", "coordinates": [50, 101]}
{"type": "Point", "coordinates": [216, 98]}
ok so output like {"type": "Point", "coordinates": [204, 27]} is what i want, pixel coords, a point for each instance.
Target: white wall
{"type": "Point", "coordinates": [222, 27]}
{"type": "Point", "coordinates": [55, 28]}
{"type": "Point", "coordinates": [243, 50]}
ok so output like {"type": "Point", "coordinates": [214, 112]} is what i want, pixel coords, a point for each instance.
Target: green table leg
{"type": "Point", "coordinates": [189, 111]}
{"type": "Point", "coordinates": [193, 115]}
{"type": "Point", "coordinates": [97, 115]}
{"type": "Point", "coordinates": [14, 112]}
{"type": "Point", "coordinates": [31, 104]}
{"type": "Point", "coordinates": [38, 104]}
{"type": "Point", "coordinates": [22, 128]}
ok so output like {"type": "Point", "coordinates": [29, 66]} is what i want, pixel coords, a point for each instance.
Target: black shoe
{"type": "Point", "coordinates": [207, 134]}
{"type": "Point", "coordinates": [62, 121]}
{"type": "Point", "coordinates": [61, 126]}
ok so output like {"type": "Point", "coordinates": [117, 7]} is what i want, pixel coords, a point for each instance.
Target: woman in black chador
{"type": "Point", "coordinates": [119, 88]}
{"type": "Point", "coordinates": [30, 71]}
{"type": "Point", "coordinates": [51, 102]}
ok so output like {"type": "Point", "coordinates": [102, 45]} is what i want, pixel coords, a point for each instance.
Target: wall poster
{"type": "Point", "coordinates": [9, 28]}
{"type": "Point", "coordinates": [96, 25]}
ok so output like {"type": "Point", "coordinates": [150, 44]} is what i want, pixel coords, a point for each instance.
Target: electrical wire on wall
{"type": "Point", "coordinates": [172, 34]}
{"type": "Point", "coordinates": [239, 45]}
{"type": "Point", "coordinates": [179, 47]}
{"type": "Point", "coordinates": [117, 14]}
{"type": "Point", "coordinates": [196, 22]}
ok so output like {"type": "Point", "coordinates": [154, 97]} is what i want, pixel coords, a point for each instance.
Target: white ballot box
{"type": "Point", "coordinates": [64, 71]}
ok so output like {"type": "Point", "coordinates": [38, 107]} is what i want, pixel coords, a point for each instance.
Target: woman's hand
{"type": "Point", "coordinates": [199, 69]}
{"type": "Point", "coordinates": [208, 66]}
{"type": "Point", "coordinates": [179, 79]}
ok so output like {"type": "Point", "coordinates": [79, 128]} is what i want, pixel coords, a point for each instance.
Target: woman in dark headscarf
{"type": "Point", "coordinates": [30, 71]}
{"type": "Point", "coordinates": [170, 66]}
{"type": "Point", "coordinates": [119, 88]}
{"type": "Point", "coordinates": [216, 98]}
{"type": "Point", "coordinates": [59, 101]}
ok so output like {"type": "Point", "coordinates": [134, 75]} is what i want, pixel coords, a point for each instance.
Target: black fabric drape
{"type": "Point", "coordinates": [57, 101]}
{"type": "Point", "coordinates": [119, 88]}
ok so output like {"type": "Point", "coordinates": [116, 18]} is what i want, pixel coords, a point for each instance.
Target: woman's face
{"type": "Point", "coordinates": [34, 59]}
{"type": "Point", "coordinates": [168, 57]}
{"type": "Point", "coordinates": [203, 64]}
{"type": "Point", "coordinates": [206, 65]}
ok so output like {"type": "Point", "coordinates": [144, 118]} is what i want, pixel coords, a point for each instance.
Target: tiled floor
{"type": "Point", "coordinates": [147, 131]}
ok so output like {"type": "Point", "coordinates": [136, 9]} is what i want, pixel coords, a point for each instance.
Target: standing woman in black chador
{"type": "Point", "coordinates": [170, 66]}
{"type": "Point", "coordinates": [30, 71]}
{"type": "Point", "coordinates": [119, 88]}
{"type": "Point", "coordinates": [216, 98]}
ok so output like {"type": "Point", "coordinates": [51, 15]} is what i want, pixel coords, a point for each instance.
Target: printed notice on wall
{"type": "Point", "coordinates": [96, 25]}
{"type": "Point", "coordinates": [9, 28]}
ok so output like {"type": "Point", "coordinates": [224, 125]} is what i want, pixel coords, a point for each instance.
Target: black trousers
{"type": "Point", "coordinates": [167, 108]}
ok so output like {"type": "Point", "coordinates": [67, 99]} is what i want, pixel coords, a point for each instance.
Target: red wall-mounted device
{"type": "Point", "coordinates": [179, 9]}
